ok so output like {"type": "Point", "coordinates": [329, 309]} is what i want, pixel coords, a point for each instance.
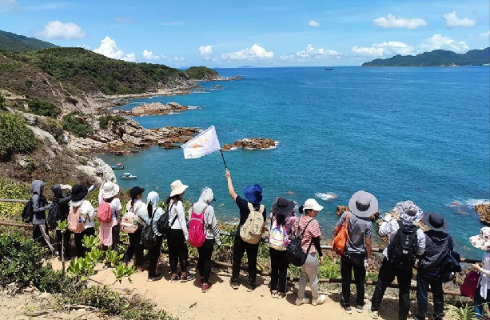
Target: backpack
{"type": "Point", "coordinates": [129, 222]}
{"type": "Point", "coordinates": [148, 236]}
{"type": "Point", "coordinates": [403, 248]}
{"type": "Point", "coordinates": [470, 284]}
{"type": "Point", "coordinates": [277, 236]}
{"type": "Point", "coordinates": [450, 264]}
{"type": "Point", "coordinates": [251, 230]}
{"type": "Point", "coordinates": [104, 212]}
{"type": "Point", "coordinates": [197, 234]}
{"type": "Point", "coordinates": [341, 236]}
{"type": "Point", "coordinates": [294, 252]}
{"type": "Point", "coordinates": [28, 212]}
{"type": "Point", "coordinates": [54, 215]}
{"type": "Point", "coordinates": [163, 224]}
{"type": "Point", "coordinates": [75, 223]}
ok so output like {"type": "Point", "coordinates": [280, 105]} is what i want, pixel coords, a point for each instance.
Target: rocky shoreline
{"type": "Point", "coordinates": [252, 144]}
{"type": "Point", "coordinates": [154, 109]}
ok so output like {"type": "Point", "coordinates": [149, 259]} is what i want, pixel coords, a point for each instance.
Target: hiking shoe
{"type": "Point", "coordinates": [187, 277]}
{"type": "Point", "coordinates": [250, 287]}
{"type": "Point", "coordinates": [234, 284]}
{"type": "Point", "coordinates": [201, 281]}
{"type": "Point", "coordinates": [299, 301]}
{"type": "Point", "coordinates": [175, 278]}
{"type": "Point", "coordinates": [320, 300]}
{"type": "Point", "coordinates": [205, 287]}
{"type": "Point", "coordinates": [274, 293]}
{"type": "Point", "coordinates": [373, 314]}
{"type": "Point", "coordinates": [281, 295]}
{"type": "Point", "coordinates": [360, 309]}
{"type": "Point", "coordinates": [155, 278]}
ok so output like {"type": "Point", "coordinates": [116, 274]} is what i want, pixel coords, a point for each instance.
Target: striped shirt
{"type": "Point", "coordinates": [313, 231]}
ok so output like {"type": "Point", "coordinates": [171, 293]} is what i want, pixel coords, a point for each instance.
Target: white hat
{"type": "Point", "coordinates": [312, 205]}
{"type": "Point", "coordinates": [177, 188]}
{"type": "Point", "coordinates": [109, 190]}
{"type": "Point", "coordinates": [482, 241]}
{"type": "Point", "coordinates": [363, 204]}
{"type": "Point", "coordinates": [65, 187]}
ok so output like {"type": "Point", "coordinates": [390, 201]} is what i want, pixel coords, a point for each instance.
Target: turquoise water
{"type": "Point", "coordinates": [400, 133]}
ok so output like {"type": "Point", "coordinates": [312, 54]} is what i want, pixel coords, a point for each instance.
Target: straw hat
{"type": "Point", "coordinates": [109, 190]}
{"type": "Point", "coordinates": [177, 188]}
{"type": "Point", "coordinates": [363, 204]}
{"type": "Point", "coordinates": [482, 241]}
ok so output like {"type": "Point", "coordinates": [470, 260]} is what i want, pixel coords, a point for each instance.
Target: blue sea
{"type": "Point", "coordinates": [400, 133]}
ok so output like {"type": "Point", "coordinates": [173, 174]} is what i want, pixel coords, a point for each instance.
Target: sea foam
{"type": "Point", "coordinates": [326, 196]}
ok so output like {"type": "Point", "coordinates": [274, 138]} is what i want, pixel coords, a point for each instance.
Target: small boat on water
{"type": "Point", "coordinates": [128, 176]}
{"type": "Point", "coordinates": [118, 166]}
{"type": "Point", "coordinates": [329, 69]}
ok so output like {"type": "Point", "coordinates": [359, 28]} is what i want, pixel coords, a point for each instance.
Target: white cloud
{"type": "Point", "coordinates": [123, 20]}
{"type": "Point", "coordinates": [390, 21]}
{"type": "Point", "coordinates": [384, 49]}
{"type": "Point", "coordinates": [252, 53]}
{"type": "Point", "coordinates": [309, 53]}
{"type": "Point", "coordinates": [437, 41]}
{"type": "Point", "coordinates": [148, 55]}
{"type": "Point", "coordinates": [60, 30]}
{"type": "Point", "coordinates": [84, 46]}
{"type": "Point", "coordinates": [206, 52]}
{"type": "Point", "coordinates": [108, 48]}
{"type": "Point", "coordinates": [452, 21]}
{"type": "Point", "coordinates": [313, 24]}
{"type": "Point", "coordinates": [8, 5]}
{"type": "Point", "coordinates": [47, 6]}
{"type": "Point", "coordinates": [485, 34]}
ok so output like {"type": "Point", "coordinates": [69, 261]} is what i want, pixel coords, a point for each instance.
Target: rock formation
{"type": "Point", "coordinates": [484, 212]}
{"type": "Point", "coordinates": [252, 144]}
{"type": "Point", "coordinates": [157, 108]}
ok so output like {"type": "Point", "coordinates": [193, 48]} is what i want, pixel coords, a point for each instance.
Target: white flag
{"type": "Point", "coordinates": [205, 143]}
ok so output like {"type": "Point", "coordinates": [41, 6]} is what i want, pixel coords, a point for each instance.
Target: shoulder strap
{"type": "Point", "coordinates": [262, 208]}
{"type": "Point", "coordinates": [251, 207]}
{"type": "Point", "coordinates": [306, 227]}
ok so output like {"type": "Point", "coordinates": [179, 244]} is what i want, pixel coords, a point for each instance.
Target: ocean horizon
{"type": "Point", "coordinates": [400, 133]}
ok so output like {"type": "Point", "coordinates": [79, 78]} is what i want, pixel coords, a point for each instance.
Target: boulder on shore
{"type": "Point", "coordinates": [252, 144]}
{"type": "Point", "coordinates": [157, 108]}
{"type": "Point", "coordinates": [484, 212]}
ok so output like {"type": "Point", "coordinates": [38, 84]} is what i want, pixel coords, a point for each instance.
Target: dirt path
{"type": "Point", "coordinates": [185, 300]}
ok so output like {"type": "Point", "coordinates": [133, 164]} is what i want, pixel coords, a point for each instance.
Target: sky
{"type": "Point", "coordinates": [253, 33]}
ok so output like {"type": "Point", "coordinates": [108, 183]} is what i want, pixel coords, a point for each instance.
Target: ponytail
{"type": "Point", "coordinates": [280, 220]}
{"type": "Point", "coordinates": [150, 209]}
{"type": "Point", "coordinates": [301, 209]}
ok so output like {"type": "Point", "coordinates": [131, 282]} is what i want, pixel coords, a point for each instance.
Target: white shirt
{"type": "Point", "coordinates": [87, 213]}
{"type": "Point", "coordinates": [180, 223]}
{"type": "Point", "coordinates": [389, 228]}
{"type": "Point", "coordinates": [484, 280]}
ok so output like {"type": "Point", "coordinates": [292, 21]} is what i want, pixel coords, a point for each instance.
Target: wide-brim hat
{"type": "Point", "coordinates": [409, 211]}
{"type": "Point", "coordinates": [65, 187]}
{"type": "Point", "coordinates": [78, 193]}
{"type": "Point", "coordinates": [109, 190]}
{"type": "Point", "coordinates": [482, 241]}
{"type": "Point", "coordinates": [312, 204]}
{"type": "Point", "coordinates": [282, 206]}
{"type": "Point", "coordinates": [177, 188]}
{"type": "Point", "coordinates": [253, 193]}
{"type": "Point", "coordinates": [434, 221]}
{"type": "Point", "coordinates": [363, 204]}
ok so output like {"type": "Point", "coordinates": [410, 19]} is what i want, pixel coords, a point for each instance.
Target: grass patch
{"type": "Point", "coordinates": [16, 137]}
{"type": "Point", "coordinates": [43, 108]}
{"type": "Point", "coordinates": [104, 120]}
{"type": "Point", "coordinates": [76, 124]}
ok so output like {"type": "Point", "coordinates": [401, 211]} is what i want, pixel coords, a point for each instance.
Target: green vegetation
{"type": "Point", "coordinates": [43, 108]}
{"type": "Point", "coordinates": [16, 136]}
{"type": "Point", "coordinates": [10, 189]}
{"type": "Point", "coordinates": [76, 124]}
{"type": "Point", "coordinates": [3, 102]}
{"type": "Point", "coordinates": [14, 42]}
{"type": "Point", "coordinates": [201, 73]}
{"type": "Point", "coordinates": [52, 126]}
{"type": "Point", "coordinates": [92, 72]}
{"type": "Point", "coordinates": [104, 120]}
{"type": "Point", "coordinates": [436, 58]}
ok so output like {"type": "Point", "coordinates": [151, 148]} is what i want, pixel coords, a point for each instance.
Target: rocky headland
{"type": "Point", "coordinates": [484, 212]}
{"type": "Point", "coordinates": [251, 144]}
{"type": "Point", "coordinates": [154, 109]}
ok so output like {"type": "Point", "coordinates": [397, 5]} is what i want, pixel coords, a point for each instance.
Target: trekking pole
{"type": "Point", "coordinates": [222, 156]}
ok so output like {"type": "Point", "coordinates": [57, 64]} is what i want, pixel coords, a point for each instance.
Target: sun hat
{"type": "Point", "coordinates": [78, 193]}
{"type": "Point", "coordinates": [311, 204]}
{"type": "Point", "coordinates": [109, 190]}
{"type": "Point", "coordinates": [363, 204]}
{"type": "Point", "coordinates": [434, 221]}
{"type": "Point", "coordinates": [253, 193]}
{"type": "Point", "coordinates": [177, 188]}
{"type": "Point", "coordinates": [282, 206]}
{"type": "Point", "coordinates": [482, 241]}
{"type": "Point", "coordinates": [409, 211]}
{"type": "Point", "coordinates": [135, 191]}
{"type": "Point", "coordinates": [65, 187]}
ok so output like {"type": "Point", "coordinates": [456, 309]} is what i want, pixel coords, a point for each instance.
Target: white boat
{"type": "Point", "coordinates": [128, 176]}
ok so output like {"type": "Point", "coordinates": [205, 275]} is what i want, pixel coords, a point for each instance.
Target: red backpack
{"type": "Point", "coordinates": [197, 234]}
{"type": "Point", "coordinates": [104, 212]}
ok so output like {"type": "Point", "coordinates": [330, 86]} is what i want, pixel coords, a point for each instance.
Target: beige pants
{"type": "Point", "coordinates": [309, 274]}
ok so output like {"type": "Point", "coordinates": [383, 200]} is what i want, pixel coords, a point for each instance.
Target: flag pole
{"type": "Point", "coordinates": [222, 156]}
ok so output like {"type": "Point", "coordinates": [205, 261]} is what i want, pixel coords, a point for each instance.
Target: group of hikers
{"type": "Point", "coordinates": [293, 237]}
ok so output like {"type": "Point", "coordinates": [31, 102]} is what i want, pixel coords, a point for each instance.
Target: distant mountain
{"type": "Point", "coordinates": [13, 42]}
{"type": "Point", "coordinates": [436, 58]}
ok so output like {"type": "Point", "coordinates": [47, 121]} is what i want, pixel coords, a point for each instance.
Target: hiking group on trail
{"type": "Point", "coordinates": [294, 237]}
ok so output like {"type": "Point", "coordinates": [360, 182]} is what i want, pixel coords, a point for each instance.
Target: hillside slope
{"type": "Point", "coordinates": [14, 42]}
{"type": "Point", "coordinates": [436, 58]}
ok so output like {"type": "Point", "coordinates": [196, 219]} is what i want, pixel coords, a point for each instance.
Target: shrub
{"type": "Point", "coordinates": [104, 120]}
{"type": "Point", "coordinates": [10, 189]}
{"type": "Point", "coordinates": [76, 124]}
{"type": "Point", "coordinates": [3, 102]}
{"type": "Point", "coordinates": [52, 126]}
{"type": "Point", "coordinates": [15, 135]}
{"type": "Point", "coordinates": [43, 108]}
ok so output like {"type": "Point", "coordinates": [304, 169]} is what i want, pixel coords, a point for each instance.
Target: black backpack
{"type": "Point", "coordinates": [163, 224]}
{"type": "Point", "coordinates": [450, 264]}
{"type": "Point", "coordinates": [294, 252]}
{"type": "Point", "coordinates": [28, 212]}
{"type": "Point", "coordinates": [54, 215]}
{"type": "Point", "coordinates": [403, 249]}
{"type": "Point", "coordinates": [148, 236]}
